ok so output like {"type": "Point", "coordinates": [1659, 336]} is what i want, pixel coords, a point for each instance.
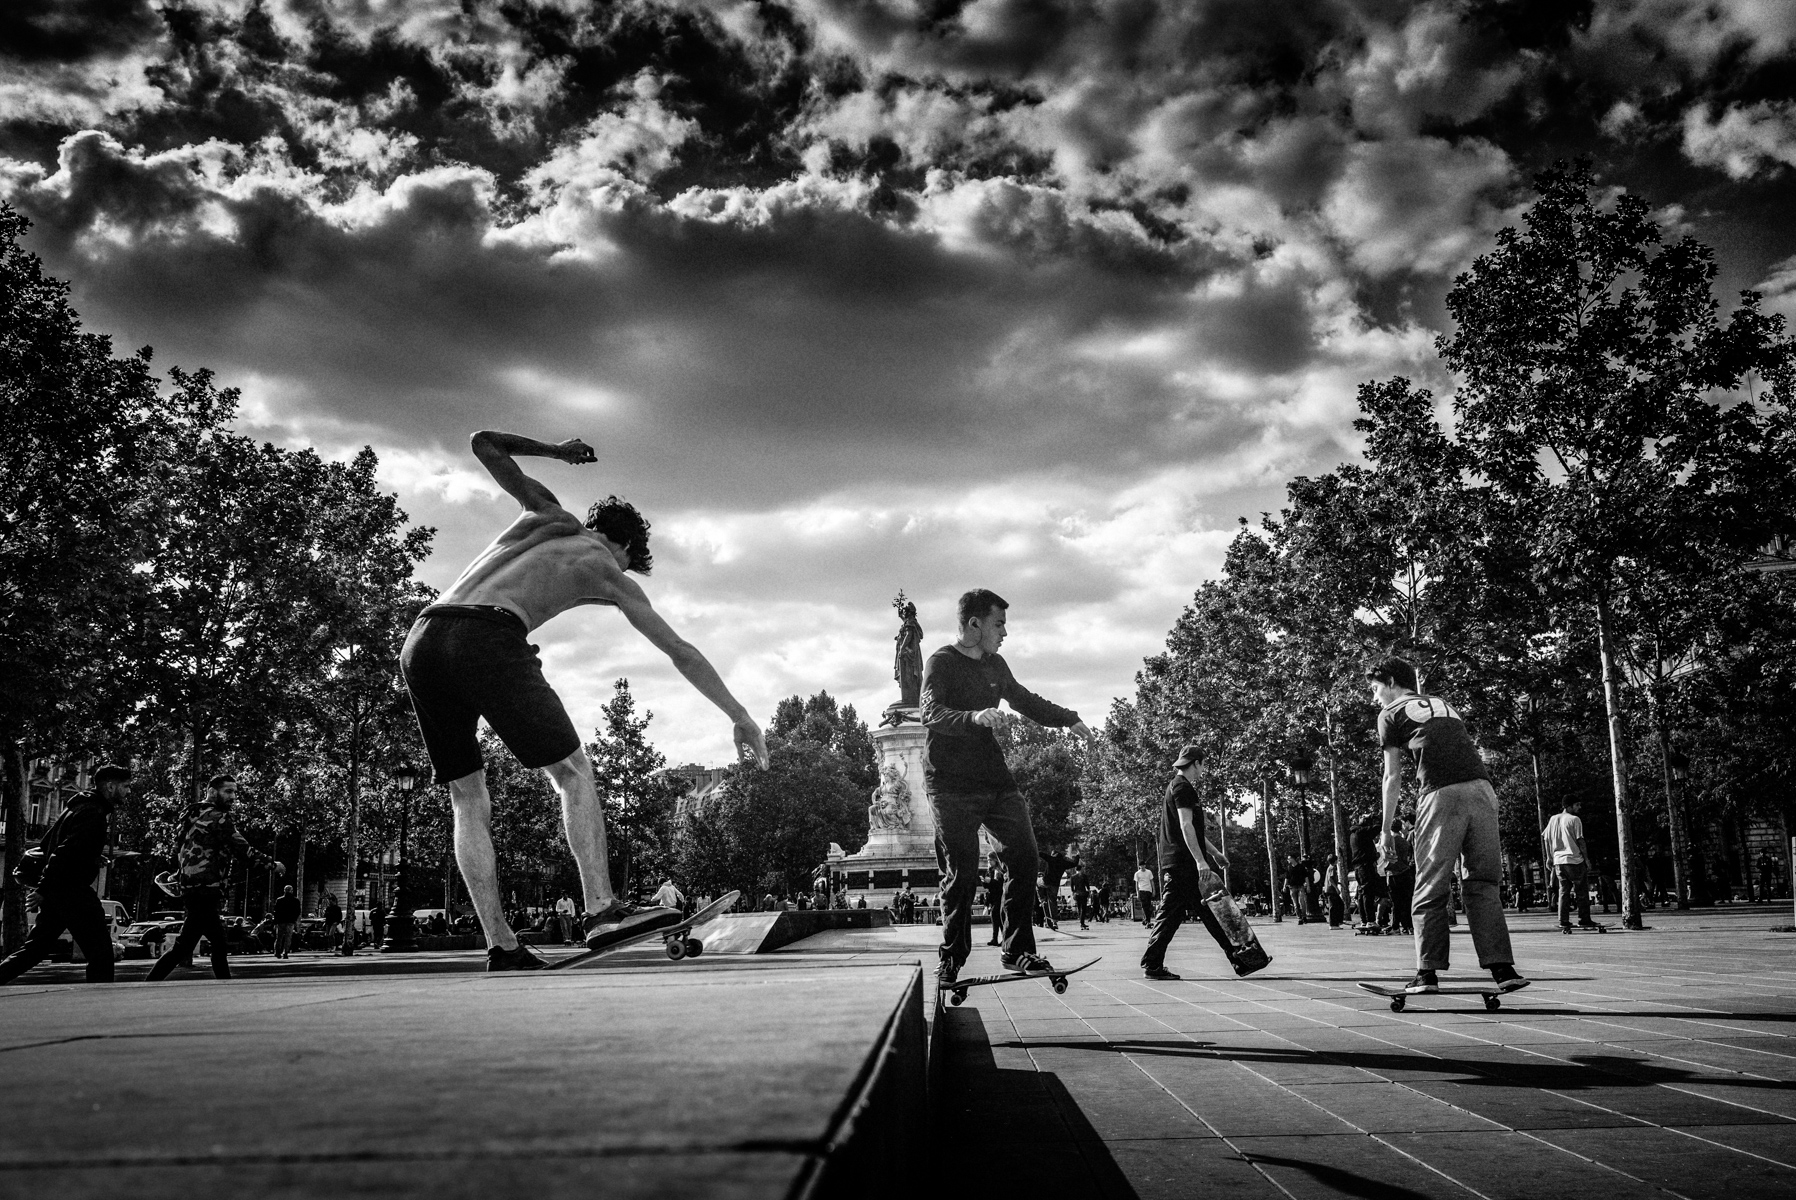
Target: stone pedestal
{"type": "Point", "coordinates": [900, 844]}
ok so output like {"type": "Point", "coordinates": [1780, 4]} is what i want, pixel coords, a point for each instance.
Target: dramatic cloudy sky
{"type": "Point", "coordinates": [854, 295]}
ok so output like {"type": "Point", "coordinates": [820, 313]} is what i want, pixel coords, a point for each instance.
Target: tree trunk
{"type": "Point", "coordinates": [1271, 856]}
{"type": "Point", "coordinates": [1334, 804]}
{"type": "Point", "coordinates": [1540, 813]}
{"type": "Point", "coordinates": [12, 896]}
{"type": "Point", "coordinates": [299, 868]}
{"type": "Point", "coordinates": [1680, 871]}
{"type": "Point", "coordinates": [1618, 772]}
{"type": "Point", "coordinates": [355, 833]}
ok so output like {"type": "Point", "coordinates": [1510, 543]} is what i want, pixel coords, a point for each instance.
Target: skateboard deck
{"type": "Point", "coordinates": [674, 937]}
{"type": "Point", "coordinates": [1584, 929]}
{"type": "Point", "coordinates": [957, 991]}
{"type": "Point", "coordinates": [1233, 933]}
{"type": "Point", "coordinates": [1398, 996]}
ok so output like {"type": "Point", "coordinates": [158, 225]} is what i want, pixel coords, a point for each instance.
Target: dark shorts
{"type": "Point", "coordinates": [464, 663]}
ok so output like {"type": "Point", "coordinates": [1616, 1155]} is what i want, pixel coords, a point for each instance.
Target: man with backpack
{"type": "Point", "coordinates": [208, 845]}
{"type": "Point", "coordinates": [67, 860]}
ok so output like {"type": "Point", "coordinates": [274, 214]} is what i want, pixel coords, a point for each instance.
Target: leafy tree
{"type": "Point", "coordinates": [638, 796]}
{"type": "Point", "coordinates": [1589, 357]}
{"type": "Point", "coordinates": [72, 500]}
{"type": "Point", "coordinates": [768, 830]}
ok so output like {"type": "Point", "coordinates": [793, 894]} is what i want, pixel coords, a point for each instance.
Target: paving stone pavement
{"type": "Point", "coordinates": [1637, 1064]}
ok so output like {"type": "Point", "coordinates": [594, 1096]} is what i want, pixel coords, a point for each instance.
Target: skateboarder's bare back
{"type": "Point", "coordinates": [467, 658]}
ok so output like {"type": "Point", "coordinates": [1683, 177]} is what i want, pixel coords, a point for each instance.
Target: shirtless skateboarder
{"type": "Point", "coordinates": [468, 657]}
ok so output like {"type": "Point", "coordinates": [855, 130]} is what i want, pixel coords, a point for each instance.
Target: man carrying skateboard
{"type": "Point", "coordinates": [1456, 818]}
{"type": "Point", "coordinates": [1563, 841]}
{"type": "Point", "coordinates": [970, 785]}
{"type": "Point", "coordinates": [468, 657]}
{"type": "Point", "coordinates": [1190, 868]}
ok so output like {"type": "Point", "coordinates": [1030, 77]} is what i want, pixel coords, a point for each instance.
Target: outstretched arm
{"type": "Point", "coordinates": [497, 451]}
{"type": "Point", "coordinates": [634, 603]}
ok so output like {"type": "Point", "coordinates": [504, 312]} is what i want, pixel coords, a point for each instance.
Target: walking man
{"type": "Point", "coordinates": [970, 786]}
{"type": "Point", "coordinates": [74, 847]}
{"type": "Point", "coordinates": [209, 845]}
{"type": "Point", "coordinates": [994, 892]}
{"type": "Point", "coordinates": [1144, 891]}
{"type": "Point", "coordinates": [669, 896]}
{"type": "Point", "coordinates": [468, 657]}
{"type": "Point", "coordinates": [564, 916]}
{"type": "Point", "coordinates": [1563, 841]}
{"type": "Point", "coordinates": [1363, 843]}
{"type": "Point", "coordinates": [1456, 819]}
{"type": "Point", "coordinates": [1081, 886]}
{"type": "Point", "coordinates": [286, 920]}
{"type": "Point", "coordinates": [1190, 869]}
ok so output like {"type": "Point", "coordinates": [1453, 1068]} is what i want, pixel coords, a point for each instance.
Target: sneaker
{"type": "Point", "coordinates": [1565, 929]}
{"type": "Point", "coordinates": [946, 972]}
{"type": "Point", "coordinates": [1424, 982]}
{"type": "Point", "coordinates": [1026, 963]}
{"type": "Point", "coordinates": [1507, 978]}
{"type": "Point", "coordinates": [618, 921]}
{"type": "Point", "coordinates": [517, 959]}
{"type": "Point", "coordinates": [1160, 973]}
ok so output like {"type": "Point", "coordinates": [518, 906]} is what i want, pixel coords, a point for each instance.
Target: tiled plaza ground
{"type": "Point", "coordinates": [1638, 1064]}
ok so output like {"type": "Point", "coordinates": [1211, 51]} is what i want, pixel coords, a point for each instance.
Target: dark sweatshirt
{"type": "Point", "coordinates": [962, 755]}
{"type": "Point", "coordinates": [79, 845]}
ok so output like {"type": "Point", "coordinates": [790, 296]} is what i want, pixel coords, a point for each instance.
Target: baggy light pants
{"type": "Point", "coordinates": [1454, 822]}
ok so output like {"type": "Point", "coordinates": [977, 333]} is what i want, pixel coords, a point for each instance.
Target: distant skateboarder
{"type": "Point", "coordinates": [970, 785]}
{"type": "Point", "coordinates": [1456, 817]}
{"type": "Point", "coordinates": [468, 657]}
{"type": "Point", "coordinates": [210, 846]}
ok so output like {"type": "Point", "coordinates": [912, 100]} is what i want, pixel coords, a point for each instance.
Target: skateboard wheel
{"type": "Point", "coordinates": [676, 949]}
{"type": "Point", "coordinates": [1397, 1003]}
{"type": "Point", "coordinates": [1060, 987]}
{"type": "Point", "coordinates": [1492, 1004]}
{"type": "Point", "coordinates": [694, 947]}
{"type": "Point", "coordinates": [955, 998]}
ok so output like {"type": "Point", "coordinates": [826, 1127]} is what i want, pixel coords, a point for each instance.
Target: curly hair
{"type": "Point", "coordinates": [618, 520]}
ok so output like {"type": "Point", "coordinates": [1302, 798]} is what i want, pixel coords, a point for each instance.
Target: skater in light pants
{"type": "Point", "coordinates": [1456, 820]}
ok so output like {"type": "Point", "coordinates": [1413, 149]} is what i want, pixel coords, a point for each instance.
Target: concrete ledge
{"type": "Point", "coordinates": [762, 933]}
{"type": "Point", "coordinates": [680, 1081]}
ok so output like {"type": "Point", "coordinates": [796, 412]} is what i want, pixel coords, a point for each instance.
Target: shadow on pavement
{"type": "Point", "coordinates": [1340, 1182]}
{"type": "Point", "coordinates": [1584, 1071]}
{"type": "Point", "coordinates": [1006, 1132]}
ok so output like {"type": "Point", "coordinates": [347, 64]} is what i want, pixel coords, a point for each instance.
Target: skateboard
{"type": "Point", "coordinates": [1234, 934]}
{"type": "Point", "coordinates": [1596, 928]}
{"type": "Point", "coordinates": [1398, 996]}
{"type": "Point", "coordinates": [957, 991]}
{"type": "Point", "coordinates": [674, 937]}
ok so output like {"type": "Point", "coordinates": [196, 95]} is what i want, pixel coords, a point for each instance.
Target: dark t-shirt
{"type": "Point", "coordinates": [286, 910]}
{"type": "Point", "coordinates": [1430, 729]}
{"type": "Point", "coordinates": [962, 755]}
{"type": "Point", "coordinates": [1174, 853]}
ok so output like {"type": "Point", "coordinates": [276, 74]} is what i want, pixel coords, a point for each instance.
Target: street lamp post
{"type": "Point", "coordinates": [399, 922]}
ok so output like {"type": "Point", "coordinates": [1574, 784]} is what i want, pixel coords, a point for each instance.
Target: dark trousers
{"type": "Point", "coordinates": [1082, 903]}
{"type": "Point", "coordinates": [1571, 885]}
{"type": "Point", "coordinates": [201, 921]}
{"type": "Point", "coordinates": [1403, 899]}
{"type": "Point", "coordinates": [1005, 816]}
{"type": "Point", "coordinates": [1147, 907]}
{"type": "Point", "coordinates": [76, 909]}
{"type": "Point", "coordinates": [1181, 898]}
{"type": "Point", "coordinates": [1372, 889]}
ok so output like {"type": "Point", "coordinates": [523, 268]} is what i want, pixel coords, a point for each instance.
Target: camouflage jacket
{"type": "Point", "coordinates": [207, 846]}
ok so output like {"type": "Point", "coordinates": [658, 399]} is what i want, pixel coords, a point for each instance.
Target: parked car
{"type": "Point", "coordinates": [148, 939]}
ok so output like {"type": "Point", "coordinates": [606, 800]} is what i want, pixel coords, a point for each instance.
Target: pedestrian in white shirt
{"type": "Point", "coordinates": [1144, 888]}
{"type": "Point", "coordinates": [1562, 843]}
{"type": "Point", "coordinates": [669, 897]}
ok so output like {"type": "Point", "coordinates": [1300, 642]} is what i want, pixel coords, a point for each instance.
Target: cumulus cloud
{"type": "Point", "coordinates": [1743, 138]}
{"type": "Point", "coordinates": [1035, 294]}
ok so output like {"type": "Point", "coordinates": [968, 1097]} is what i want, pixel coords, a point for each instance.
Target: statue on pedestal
{"type": "Point", "coordinates": [907, 660]}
